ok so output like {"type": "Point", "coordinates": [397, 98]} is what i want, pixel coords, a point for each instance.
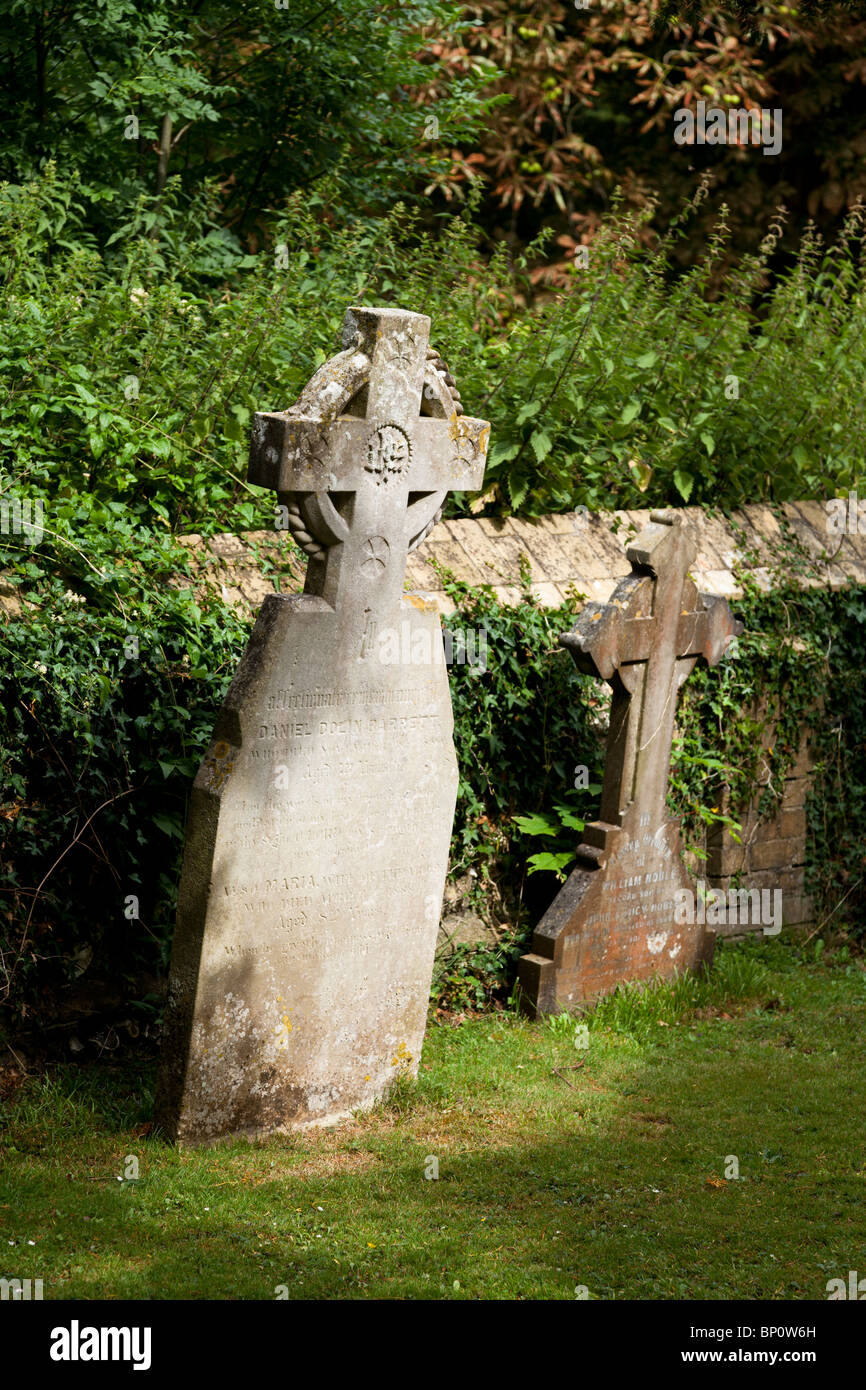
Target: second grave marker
{"type": "Point", "coordinates": [614, 919]}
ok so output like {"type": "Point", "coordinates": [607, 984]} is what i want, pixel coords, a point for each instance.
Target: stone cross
{"type": "Point", "coordinates": [319, 827]}
{"type": "Point", "coordinates": [368, 468]}
{"type": "Point", "coordinates": [645, 643]}
{"type": "Point", "coordinates": [613, 919]}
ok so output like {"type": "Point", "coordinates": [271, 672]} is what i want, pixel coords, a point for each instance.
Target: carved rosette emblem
{"type": "Point", "coordinates": [388, 453]}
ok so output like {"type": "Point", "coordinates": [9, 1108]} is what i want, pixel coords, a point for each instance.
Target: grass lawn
{"type": "Point", "coordinates": [559, 1165]}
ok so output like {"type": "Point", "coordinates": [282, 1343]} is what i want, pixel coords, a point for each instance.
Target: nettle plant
{"type": "Point", "coordinates": [132, 376]}
{"type": "Point", "coordinates": [638, 386]}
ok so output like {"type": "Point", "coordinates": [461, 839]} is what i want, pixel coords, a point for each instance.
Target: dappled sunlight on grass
{"type": "Point", "coordinates": [558, 1165]}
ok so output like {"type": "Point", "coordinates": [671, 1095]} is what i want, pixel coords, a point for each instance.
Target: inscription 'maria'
{"type": "Point", "coordinates": [317, 842]}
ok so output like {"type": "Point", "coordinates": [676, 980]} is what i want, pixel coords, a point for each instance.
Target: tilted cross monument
{"type": "Point", "coordinates": [318, 834]}
{"type": "Point", "coordinates": [614, 919]}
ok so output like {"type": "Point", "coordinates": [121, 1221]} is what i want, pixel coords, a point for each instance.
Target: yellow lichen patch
{"type": "Point", "coordinates": [283, 1029]}
{"type": "Point", "coordinates": [423, 605]}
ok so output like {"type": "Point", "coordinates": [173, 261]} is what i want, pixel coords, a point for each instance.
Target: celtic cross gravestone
{"type": "Point", "coordinates": [318, 833]}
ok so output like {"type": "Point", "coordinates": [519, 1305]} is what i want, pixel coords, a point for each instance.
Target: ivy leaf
{"type": "Point", "coordinates": [170, 824]}
{"type": "Point", "coordinates": [538, 863]}
{"type": "Point", "coordinates": [629, 413]}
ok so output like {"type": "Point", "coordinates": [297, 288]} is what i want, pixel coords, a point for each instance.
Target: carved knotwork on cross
{"type": "Point", "coordinates": [366, 456]}
{"type": "Point", "coordinates": [644, 643]}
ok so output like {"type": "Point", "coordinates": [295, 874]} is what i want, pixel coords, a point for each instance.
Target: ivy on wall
{"type": "Point", "coordinates": [99, 748]}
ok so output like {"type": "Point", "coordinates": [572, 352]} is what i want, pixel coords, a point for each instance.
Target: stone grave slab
{"type": "Point", "coordinates": [614, 917]}
{"type": "Point", "coordinates": [318, 834]}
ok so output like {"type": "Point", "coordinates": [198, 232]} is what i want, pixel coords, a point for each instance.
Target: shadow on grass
{"type": "Point", "coordinates": [614, 1183]}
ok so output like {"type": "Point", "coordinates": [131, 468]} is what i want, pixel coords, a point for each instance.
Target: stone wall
{"type": "Point", "coordinates": [771, 853]}
{"type": "Point", "coordinates": [586, 553]}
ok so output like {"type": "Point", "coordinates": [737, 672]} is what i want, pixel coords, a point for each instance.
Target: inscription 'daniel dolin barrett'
{"type": "Point", "coordinates": [318, 835]}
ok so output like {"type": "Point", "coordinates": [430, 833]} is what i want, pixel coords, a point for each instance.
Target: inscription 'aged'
{"type": "Point", "coordinates": [614, 918]}
{"type": "Point", "coordinates": [320, 821]}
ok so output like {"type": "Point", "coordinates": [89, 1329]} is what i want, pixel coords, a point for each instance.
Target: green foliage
{"type": "Point", "coordinates": [136, 381]}
{"type": "Point", "coordinates": [262, 98]}
{"type": "Point", "coordinates": [519, 728]}
{"type": "Point", "coordinates": [635, 388]}
{"type": "Point", "coordinates": [107, 698]}
{"type": "Point", "coordinates": [136, 378]}
{"type": "Point", "coordinates": [797, 670]}
{"type": "Point", "coordinates": [638, 1008]}
{"type": "Point", "coordinates": [472, 977]}
{"type": "Point", "coordinates": [562, 826]}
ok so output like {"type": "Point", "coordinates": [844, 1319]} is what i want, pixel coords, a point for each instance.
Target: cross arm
{"type": "Point", "coordinates": [708, 630]}
{"type": "Point", "coordinates": [296, 453]}
{"type": "Point", "coordinates": [607, 636]}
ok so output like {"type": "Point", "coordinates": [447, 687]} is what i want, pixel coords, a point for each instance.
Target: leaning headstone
{"type": "Point", "coordinates": [615, 918]}
{"type": "Point", "coordinates": [318, 834]}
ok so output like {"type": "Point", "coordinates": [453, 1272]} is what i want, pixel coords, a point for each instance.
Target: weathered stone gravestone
{"type": "Point", "coordinates": [318, 835]}
{"type": "Point", "coordinates": [614, 919]}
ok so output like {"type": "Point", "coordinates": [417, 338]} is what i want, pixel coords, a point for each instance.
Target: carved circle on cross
{"type": "Point", "coordinates": [376, 552]}
{"type": "Point", "coordinates": [388, 451]}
